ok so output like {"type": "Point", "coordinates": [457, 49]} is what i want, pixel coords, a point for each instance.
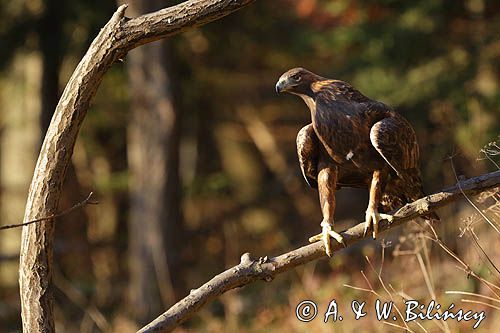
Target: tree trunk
{"type": "Point", "coordinates": [72, 248]}
{"type": "Point", "coordinates": [153, 152]}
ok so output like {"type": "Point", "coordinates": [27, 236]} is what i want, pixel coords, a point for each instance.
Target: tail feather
{"type": "Point", "coordinates": [400, 191]}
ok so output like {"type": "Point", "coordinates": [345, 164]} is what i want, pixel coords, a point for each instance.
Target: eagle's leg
{"type": "Point", "coordinates": [373, 217]}
{"type": "Point", "coordinates": [327, 183]}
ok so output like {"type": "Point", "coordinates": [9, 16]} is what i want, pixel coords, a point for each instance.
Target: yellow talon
{"type": "Point", "coordinates": [325, 235]}
{"type": "Point", "coordinates": [372, 218]}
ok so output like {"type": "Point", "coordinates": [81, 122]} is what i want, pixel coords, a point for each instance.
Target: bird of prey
{"type": "Point", "coordinates": [353, 141]}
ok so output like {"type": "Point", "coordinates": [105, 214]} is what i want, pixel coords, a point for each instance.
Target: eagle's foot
{"type": "Point", "coordinates": [325, 237]}
{"type": "Point", "coordinates": [372, 219]}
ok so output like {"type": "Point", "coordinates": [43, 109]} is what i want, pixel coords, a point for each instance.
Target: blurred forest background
{"type": "Point", "coordinates": [191, 155]}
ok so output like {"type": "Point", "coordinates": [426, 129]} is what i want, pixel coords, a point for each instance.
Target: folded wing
{"type": "Point", "coordinates": [308, 152]}
{"type": "Point", "coordinates": [395, 140]}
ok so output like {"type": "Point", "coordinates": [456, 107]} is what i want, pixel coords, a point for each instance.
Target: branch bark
{"type": "Point", "coordinates": [250, 270]}
{"type": "Point", "coordinates": [117, 37]}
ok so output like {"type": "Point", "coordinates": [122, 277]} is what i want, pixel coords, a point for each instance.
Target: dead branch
{"type": "Point", "coordinates": [118, 36]}
{"type": "Point", "coordinates": [86, 201]}
{"type": "Point", "coordinates": [250, 270]}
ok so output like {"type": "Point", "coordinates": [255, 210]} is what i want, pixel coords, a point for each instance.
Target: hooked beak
{"type": "Point", "coordinates": [280, 86]}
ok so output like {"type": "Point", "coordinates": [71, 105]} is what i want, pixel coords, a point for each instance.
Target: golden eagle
{"type": "Point", "coordinates": [353, 141]}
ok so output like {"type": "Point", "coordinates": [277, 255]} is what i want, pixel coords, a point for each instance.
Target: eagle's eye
{"type": "Point", "coordinates": [296, 77]}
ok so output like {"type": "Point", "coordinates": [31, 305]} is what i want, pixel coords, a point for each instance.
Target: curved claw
{"type": "Point", "coordinates": [372, 218]}
{"type": "Point", "coordinates": [325, 235]}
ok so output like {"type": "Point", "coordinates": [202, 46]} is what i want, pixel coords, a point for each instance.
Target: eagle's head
{"type": "Point", "coordinates": [297, 81]}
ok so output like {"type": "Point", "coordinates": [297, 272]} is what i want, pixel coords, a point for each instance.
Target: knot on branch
{"type": "Point", "coordinates": [263, 260]}
{"type": "Point", "coordinates": [261, 267]}
{"type": "Point", "coordinates": [246, 259]}
{"type": "Point", "coordinates": [423, 207]}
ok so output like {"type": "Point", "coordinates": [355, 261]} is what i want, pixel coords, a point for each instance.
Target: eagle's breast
{"type": "Point", "coordinates": [339, 134]}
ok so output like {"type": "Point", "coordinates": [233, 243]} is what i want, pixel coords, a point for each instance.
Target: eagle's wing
{"type": "Point", "coordinates": [308, 152]}
{"type": "Point", "coordinates": [395, 140]}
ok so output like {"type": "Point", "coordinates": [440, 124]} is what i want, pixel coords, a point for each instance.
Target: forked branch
{"type": "Point", "coordinates": [250, 270]}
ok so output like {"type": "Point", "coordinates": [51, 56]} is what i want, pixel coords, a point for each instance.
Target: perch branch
{"type": "Point", "coordinates": [118, 36]}
{"type": "Point", "coordinates": [250, 270]}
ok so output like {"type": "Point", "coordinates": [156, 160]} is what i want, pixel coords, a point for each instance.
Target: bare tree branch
{"type": "Point", "coordinates": [117, 37]}
{"type": "Point", "coordinates": [250, 270]}
{"type": "Point", "coordinates": [173, 20]}
{"type": "Point", "coordinates": [82, 203]}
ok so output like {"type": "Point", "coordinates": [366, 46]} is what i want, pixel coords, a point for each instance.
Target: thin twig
{"type": "Point", "coordinates": [382, 283]}
{"type": "Point", "coordinates": [470, 201]}
{"type": "Point", "coordinates": [472, 294]}
{"type": "Point", "coordinates": [481, 250]}
{"type": "Point", "coordinates": [479, 302]}
{"type": "Point", "coordinates": [464, 266]}
{"type": "Point", "coordinates": [87, 201]}
{"type": "Point", "coordinates": [407, 297]}
{"type": "Point", "coordinates": [491, 160]}
{"type": "Point", "coordinates": [406, 329]}
{"type": "Point", "coordinates": [491, 149]}
{"type": "Point", "coordinates": [357, 288]}
{"type": "Point", "coordinates": [428, 280]}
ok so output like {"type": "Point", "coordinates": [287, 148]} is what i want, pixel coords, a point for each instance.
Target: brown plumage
{"type": "Point", "coordinates": [353, 141]}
